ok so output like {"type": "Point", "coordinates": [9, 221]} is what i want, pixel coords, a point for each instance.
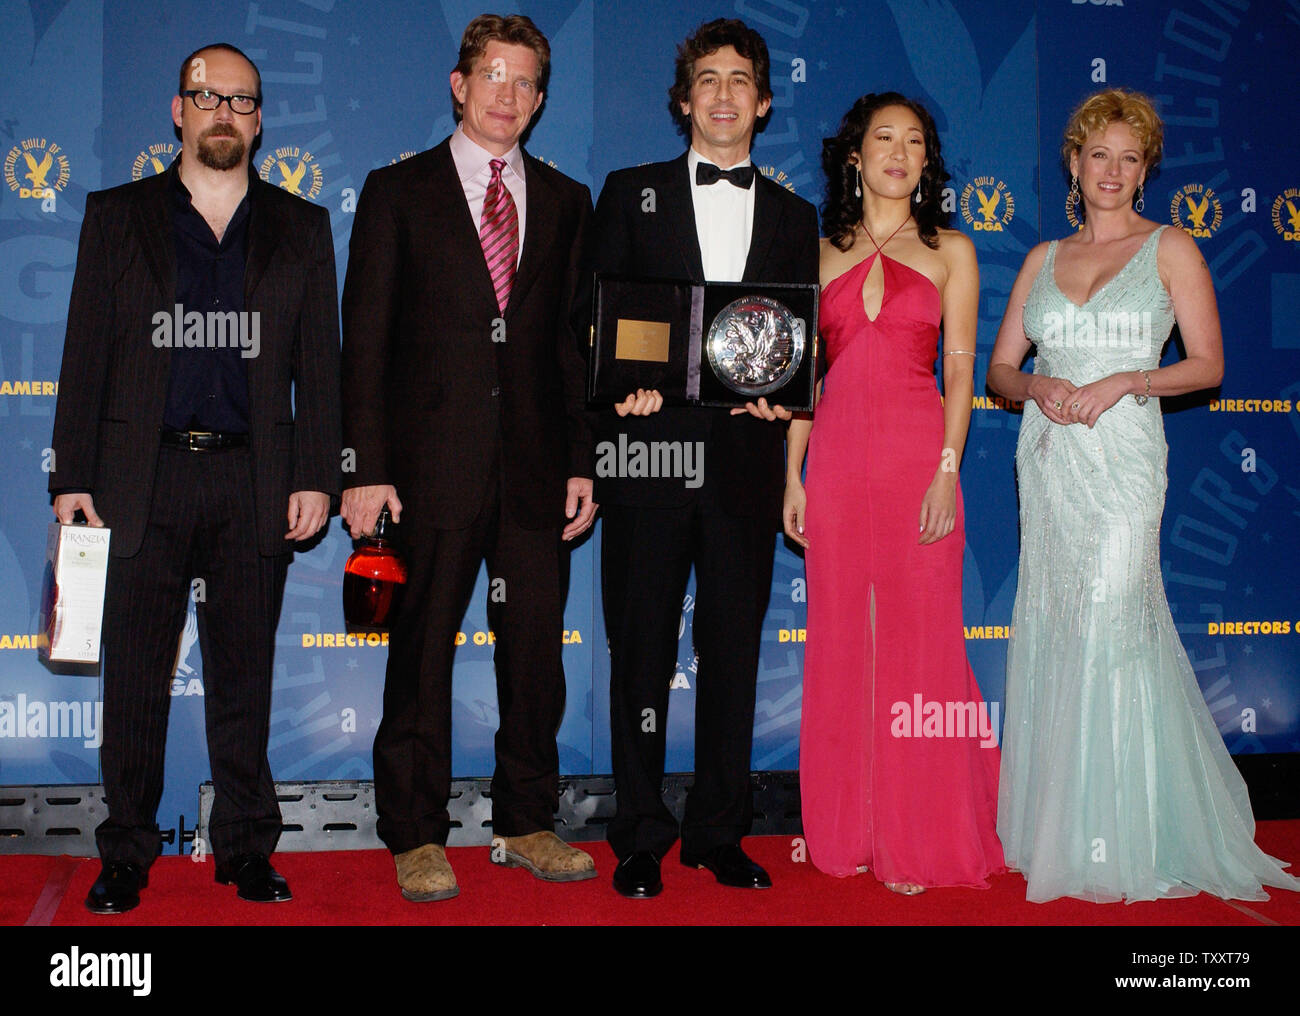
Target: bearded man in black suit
{"type": "Point", "coordinates": [198, 418]}
{"type": "Point", "coordinates": [463, 403]}
{"type": "Point", "coordinates": [706, 215]}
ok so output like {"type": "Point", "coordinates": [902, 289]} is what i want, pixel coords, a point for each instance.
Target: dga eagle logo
{"type": "Point", "coordinates": [401, 157]}
{"type": "Point", "coordinates": [1286, 214]}
{"type": "Point", "coordinates": [996, 204]}
{"type": "Point", "coordinates": [777, 176]}
{"type": "Point", "coordinates": [153, 160]}
{"type": "Point", "coordinates": [36, 168]}
{"type": "Point", "coordinates": [1196, 209]}
{"type": "Point", "coordinates": [294, 170]}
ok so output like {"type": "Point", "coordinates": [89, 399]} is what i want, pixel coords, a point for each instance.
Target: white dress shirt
{"type": "Point", "coordinates": [472, 166]}
{"type": "Point", "coordinates": [724, 222]}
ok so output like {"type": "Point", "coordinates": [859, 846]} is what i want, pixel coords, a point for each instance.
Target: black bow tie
{"type": "Point", "coordinates": [707, 173]}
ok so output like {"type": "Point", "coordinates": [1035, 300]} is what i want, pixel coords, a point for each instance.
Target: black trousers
{"type": "Point", "coordinates": [526, 613]}
{"type": "Point", "coordinates": [646, 557]}
{"type": "Point", "coordinates": [202, 525]}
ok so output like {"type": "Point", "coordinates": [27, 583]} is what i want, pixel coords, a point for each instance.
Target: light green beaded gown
{"type": "Point", "coordinates": [1115, 781]}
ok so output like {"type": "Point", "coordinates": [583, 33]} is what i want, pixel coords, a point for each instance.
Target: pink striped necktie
{"type": "Point", "coordinates": [499, 234]}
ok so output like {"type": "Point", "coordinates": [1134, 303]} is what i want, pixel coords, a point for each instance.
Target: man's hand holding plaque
{"type": "Point", "coordinates": [763, 411]}
{"type": "Point", "coordinates": [640, 403]}
{"type": "Point", "coordinates": [643, 403]}
{"type": "Point", "coordinates": [728, 345]}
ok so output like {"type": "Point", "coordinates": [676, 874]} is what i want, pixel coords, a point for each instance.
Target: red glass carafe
{"type": "Point", "coordinates": [373, 580]}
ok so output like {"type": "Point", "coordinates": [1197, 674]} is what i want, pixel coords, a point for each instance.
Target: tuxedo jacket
{"type": "Point", "coordinates": [657, 238]}
{"type": "Point", "coordinates": [114, 380]}
{"type": "Point", "coordinates": [436, 378]}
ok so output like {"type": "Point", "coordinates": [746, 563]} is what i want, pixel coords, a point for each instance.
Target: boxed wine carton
{"type": "Point", "coordinates": [72, 597]}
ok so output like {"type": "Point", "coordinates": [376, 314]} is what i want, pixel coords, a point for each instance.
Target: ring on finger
{"type": "Point", "coordinates": [1057, 404]}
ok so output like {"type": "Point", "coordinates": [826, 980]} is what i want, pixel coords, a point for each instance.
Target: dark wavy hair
{"type": "Point", "coordinates": [709, 38]}
{"type": "Point", "coordinates": [842, 210]}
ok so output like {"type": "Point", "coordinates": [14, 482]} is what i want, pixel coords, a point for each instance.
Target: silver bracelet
{"type": "Point", "coordinates": [959, 352]}
{"type": "Point", "coordinates": [1141, 400]}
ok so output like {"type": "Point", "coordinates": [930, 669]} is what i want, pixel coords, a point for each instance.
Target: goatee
{"type": "Point", "coordinates": [220, 156]}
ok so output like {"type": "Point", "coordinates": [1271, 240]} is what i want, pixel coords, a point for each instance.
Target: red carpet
{"type": "Point", "coordinates": [359, 888]}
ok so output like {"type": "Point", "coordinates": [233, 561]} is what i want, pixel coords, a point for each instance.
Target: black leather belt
{"type": "Point", "coordinates": [202, 440]}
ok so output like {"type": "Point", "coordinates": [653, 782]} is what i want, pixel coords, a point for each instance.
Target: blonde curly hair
{"type": "Point", "coordinates": [1116, 105]}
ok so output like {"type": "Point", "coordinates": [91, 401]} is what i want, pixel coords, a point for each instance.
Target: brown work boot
{"type": "Point", "coordinates": [545, 855]}
{"type": "Point", "coordinates": [424, 874]}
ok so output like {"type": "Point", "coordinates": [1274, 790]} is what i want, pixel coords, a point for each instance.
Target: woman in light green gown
{"type": "Point", "coordinates": [1115, 782]}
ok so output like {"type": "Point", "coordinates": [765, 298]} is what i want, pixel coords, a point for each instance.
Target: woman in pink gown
{"type": "Point", "coordinates": [898, 754]}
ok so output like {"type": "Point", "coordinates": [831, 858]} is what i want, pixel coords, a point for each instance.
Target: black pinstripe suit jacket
{"type": "Point", "coordinates": [113, 384]}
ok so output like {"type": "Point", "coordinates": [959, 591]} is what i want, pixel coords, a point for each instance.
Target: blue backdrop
{"type": "Point", "coordinates": [350, 87]}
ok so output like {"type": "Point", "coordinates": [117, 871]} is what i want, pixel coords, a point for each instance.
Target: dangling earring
{"type": "Point", "coordinates": [918, 197]}
{"type": "Point", "coordinates": [1138, 206]}
{"type": "Point", "coordinates": [857, 182]}
{"type": "Point", "coordinates": [1073, 198]}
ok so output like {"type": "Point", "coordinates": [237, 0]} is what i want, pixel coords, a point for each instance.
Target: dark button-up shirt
{"type": "Point", "coordinates": [208, 388]}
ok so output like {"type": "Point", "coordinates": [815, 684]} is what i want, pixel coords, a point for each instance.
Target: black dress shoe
{"type": "Point", "coordinates": [117, 889]}
{"type": "Point", "coordinates": [258, 882]}
{"type": "Point", "coordinates": [637, 876]}
{"type": "Point", "coordinates": [731, 866]}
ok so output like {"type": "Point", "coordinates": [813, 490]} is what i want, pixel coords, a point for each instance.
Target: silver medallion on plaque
{"type": "Point", "coordinates": [755, 345]}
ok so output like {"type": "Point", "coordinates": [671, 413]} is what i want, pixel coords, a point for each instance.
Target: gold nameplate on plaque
{"type": "Point", "coordinates": [641, 340]}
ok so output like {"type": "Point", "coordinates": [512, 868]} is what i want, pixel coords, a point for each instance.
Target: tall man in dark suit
{"type": "Point", "coordinates": [198, 417]}
{"type": "Point", "coordinates": [706, 215]}
{"type": "Point", "coordinates": [463, 403]}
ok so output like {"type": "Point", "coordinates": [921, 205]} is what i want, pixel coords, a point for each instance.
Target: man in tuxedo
{"type": "Point", "coordinates": [706, 215]}
{"type": "Point", "coordinates": [463, 403]}
{"type": "Point", "coordinates": [198, 418]}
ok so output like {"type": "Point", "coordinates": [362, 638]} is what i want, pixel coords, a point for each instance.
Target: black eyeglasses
{"type": "Point", "coordinates": [208, 101]}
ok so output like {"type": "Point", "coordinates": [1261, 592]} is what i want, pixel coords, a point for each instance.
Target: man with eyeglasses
{"type": "Point", "coordinates": [198, 418]}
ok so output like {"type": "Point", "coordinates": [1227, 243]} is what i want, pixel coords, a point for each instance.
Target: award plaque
{"type": "Point", "coordinates": [755, 345]}
{"type": "Point", "coordinates": [711, 344]}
